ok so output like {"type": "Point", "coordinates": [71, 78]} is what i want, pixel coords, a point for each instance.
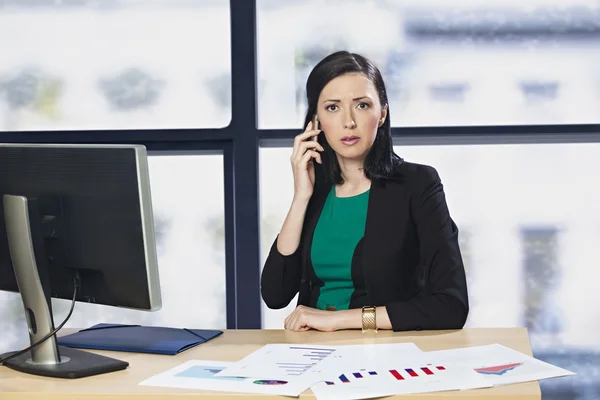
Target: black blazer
{"type": "Point", "coordinates": [408, 260]}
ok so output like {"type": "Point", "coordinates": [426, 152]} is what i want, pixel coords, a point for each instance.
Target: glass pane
{"type": "Point", "coordinates": [276, 192]}
{"type": "Point", "coordinates": [191, 255]}
{"type": "Point", "coordinates": [444, 63]}
{"type": "Point", "coordinates": [529, 227]}
{"type": "Point", "coordinates": [119, 64]}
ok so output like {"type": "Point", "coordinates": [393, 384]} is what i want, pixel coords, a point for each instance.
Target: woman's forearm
{"type": "Point", "coordinates": [289, 237]}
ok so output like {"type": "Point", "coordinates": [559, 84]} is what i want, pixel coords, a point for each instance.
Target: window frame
{"type": "Point", "coordinates": [240, 141]}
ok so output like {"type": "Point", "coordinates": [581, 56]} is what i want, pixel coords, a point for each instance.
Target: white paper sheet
{"type": "Point", "coordinates": [293, 362]}
{"type": "Point", "coordinates": [498, 364]}
{"type": "Point", "coordinates": [200, 374]}
{"type": "Point", "coordinates": [408, 376]}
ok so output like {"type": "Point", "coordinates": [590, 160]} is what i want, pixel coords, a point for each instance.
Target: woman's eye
{"type": "Point", "coordinates": [363, 106]}
{"type": "Point", "coordinates": [331, 107]}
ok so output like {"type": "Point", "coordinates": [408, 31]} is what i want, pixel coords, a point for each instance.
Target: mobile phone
{"type": "Point", "coordinates": [315, 122]}
{"type": "Point", "coordinates": [315, 125]}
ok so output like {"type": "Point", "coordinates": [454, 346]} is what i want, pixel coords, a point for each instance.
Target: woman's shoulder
{"type": "Point", "coordinates": [411, 173]}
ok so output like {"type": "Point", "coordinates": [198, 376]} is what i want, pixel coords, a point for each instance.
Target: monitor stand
{"type": "Point", "coordinates": [26, 244]}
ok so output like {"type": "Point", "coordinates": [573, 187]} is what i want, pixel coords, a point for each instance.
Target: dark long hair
{"type": "Point", "coordinates": [381, 162]}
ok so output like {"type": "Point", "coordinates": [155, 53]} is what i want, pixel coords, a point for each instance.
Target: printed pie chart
{"type": "Point", "coordinates": [269, 382]}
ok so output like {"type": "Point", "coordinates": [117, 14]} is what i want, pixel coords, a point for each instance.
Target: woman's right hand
{"type": "Point", "coordinates": [306, 148]}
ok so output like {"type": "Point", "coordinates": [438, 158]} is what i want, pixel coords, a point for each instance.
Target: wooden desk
{"type": "Point", "coordinates": [235, 344]}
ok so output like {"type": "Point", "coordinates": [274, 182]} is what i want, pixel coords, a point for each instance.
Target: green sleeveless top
{"type": "Point", "coordinates": [338, 231]}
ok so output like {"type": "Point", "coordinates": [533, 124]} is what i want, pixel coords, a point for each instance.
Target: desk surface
{"type": "Point", "coordinates": [236, 344]}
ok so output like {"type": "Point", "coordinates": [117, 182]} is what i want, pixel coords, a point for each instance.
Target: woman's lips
{"type": "Point", "coordinates": [350, 140]}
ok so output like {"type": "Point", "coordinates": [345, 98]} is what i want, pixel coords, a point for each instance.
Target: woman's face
{"type": "Point", "coordinates": [350, 113]}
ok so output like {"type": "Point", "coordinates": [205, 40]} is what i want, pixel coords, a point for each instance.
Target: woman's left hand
{"type": "Point", "coordinates": [304, 318]}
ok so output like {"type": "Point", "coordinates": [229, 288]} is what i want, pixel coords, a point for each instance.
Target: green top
{"type": "Point", "coordinates": [338, 231]}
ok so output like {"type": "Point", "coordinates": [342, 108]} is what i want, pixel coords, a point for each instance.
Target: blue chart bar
{"type": "Point", "coordinates": [315, 356]}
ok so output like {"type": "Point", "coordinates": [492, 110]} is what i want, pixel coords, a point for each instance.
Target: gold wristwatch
{"type": "Point", "coordinates": [369, 320]}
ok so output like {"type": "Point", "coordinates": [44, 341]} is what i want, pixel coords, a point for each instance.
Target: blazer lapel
{"type": "Point", "coordinates": [378, 215]}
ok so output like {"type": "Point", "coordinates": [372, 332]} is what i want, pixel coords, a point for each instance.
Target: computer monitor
{"type": "Point", "coordinates": [75, 218]}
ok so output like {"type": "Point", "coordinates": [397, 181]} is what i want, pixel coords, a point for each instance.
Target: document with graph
{"type": "Point", "coordinates": [293, 362]}
{"type": "Point", "coordinates": [201, 375]}
{"type": "Point", "coordinates": [500, 365]}
{"type": "Point", "coordinates": [407, 376]}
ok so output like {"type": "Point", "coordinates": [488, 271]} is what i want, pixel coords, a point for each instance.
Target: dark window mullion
{"type": "Point", "coordinates": [244, 164]}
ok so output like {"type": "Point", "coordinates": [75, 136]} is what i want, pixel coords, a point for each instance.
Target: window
{"type": "Point", "coordinates": [464, 243]}
{"type": "Point", "coordinates": [542, 276]}
{"type": "Point", "coordinates": [117, 64]}
{"type": "Point", "coordinates": [191, 255]}
{"type": "Point", "coordinates": [444, 63]}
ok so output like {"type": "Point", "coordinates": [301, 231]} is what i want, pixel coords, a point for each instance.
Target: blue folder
{"type": "Point", "coordinates": [137, 338]}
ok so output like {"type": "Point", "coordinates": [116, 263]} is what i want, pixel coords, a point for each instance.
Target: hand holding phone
{"type": "Point", "coordinates": [306, 148]}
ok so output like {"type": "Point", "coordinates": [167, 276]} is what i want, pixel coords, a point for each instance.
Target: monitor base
{"type": "Point", "coordinates": [74, 364]}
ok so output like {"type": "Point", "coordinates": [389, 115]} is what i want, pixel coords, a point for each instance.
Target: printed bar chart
{"type": "Point", "coordinates": [416, 372]}
{"type": "Point", "coordinates": [312, 356]}
{"type": "Point", "coordinates": [397, 374]}
{"type": "Point", "coordinates": [294, 368]}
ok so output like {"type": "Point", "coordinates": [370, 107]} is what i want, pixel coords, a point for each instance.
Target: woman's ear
{"type": "Point", "coordinates": [383, 115]}
{"type": "Point", "coordinates": [322, 140]}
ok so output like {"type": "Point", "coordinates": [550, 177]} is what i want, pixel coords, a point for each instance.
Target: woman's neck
{"type": "Point", "coordinates": [355, 181]}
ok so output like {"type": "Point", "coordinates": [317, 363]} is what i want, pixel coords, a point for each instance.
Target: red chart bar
{"type": "Point", "coordinates": [396, 375]}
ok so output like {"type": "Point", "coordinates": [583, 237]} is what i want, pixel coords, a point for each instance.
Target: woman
{"type": "Point", "coordinates": [368, 241]}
